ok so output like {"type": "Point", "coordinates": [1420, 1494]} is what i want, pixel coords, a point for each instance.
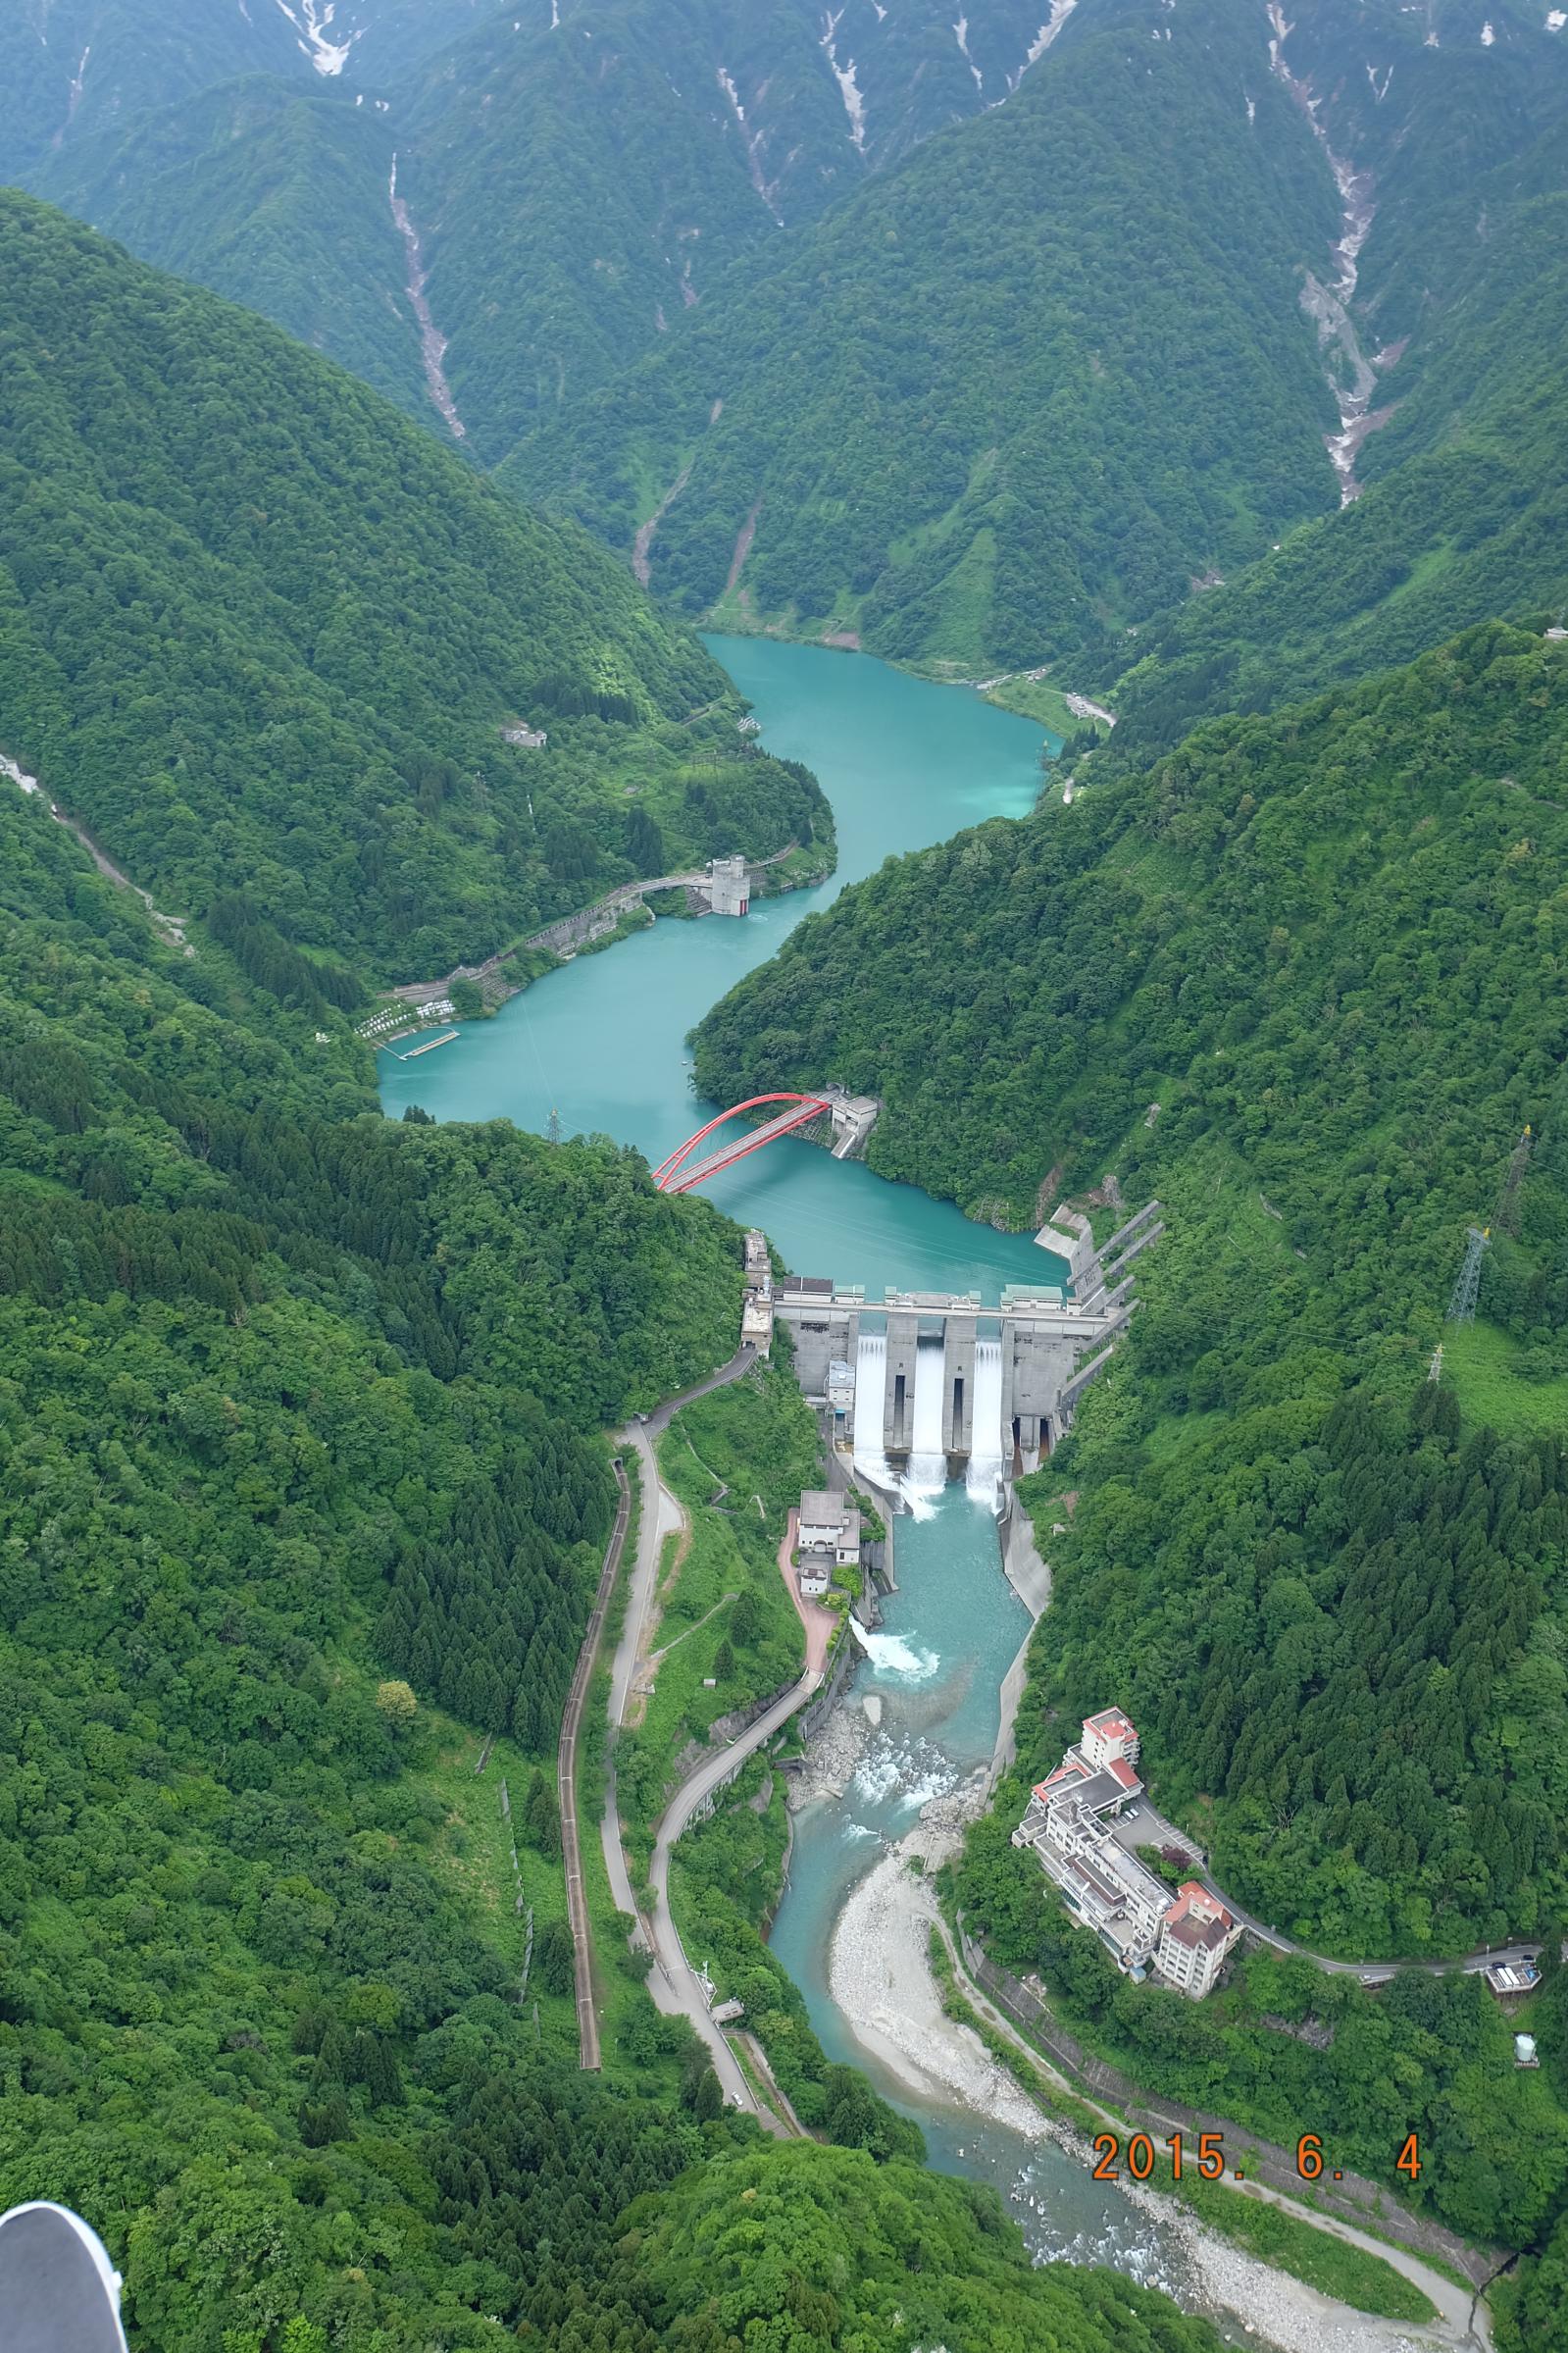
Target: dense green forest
{"type": "Point", "coordinates": [304, 1494]}
{"type": "Point", "coordinates": [800, 2248]}
{"type": "Point", "coordinates": [273, 193]}
{"type": "Point", "coordinates": [610, 181]}
{"type": "Point", "coordinates": [260, 635]}
{"type": "Point", "coordinates": [970, 414]}
{"type": "Point", "coordinates": [254, 1370]}
{"type": "Point", "coordinates": [579, 177]}
{"type": "Point", "coordinates": [83, 68]}
{"type": "Point", "coordinates": [146, 55]}
{"type": "Point", "coordinates": [305, 1484]}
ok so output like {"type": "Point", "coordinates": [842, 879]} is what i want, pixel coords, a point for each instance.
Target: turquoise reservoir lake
{"type": "Point", "coordinates": [601, 1043]}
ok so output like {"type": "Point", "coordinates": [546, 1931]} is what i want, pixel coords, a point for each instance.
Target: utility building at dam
{"type": "Point", "coordinates": [924, 1378]}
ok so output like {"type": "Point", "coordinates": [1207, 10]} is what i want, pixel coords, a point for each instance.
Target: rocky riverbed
{"type": "Point", "coordinates": [880, 1977]}
{"type": "Point", "coordinates": [836, 1751]}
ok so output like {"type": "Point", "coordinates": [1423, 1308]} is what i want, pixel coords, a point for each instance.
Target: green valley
{"type": "Point", "coordinates": [1297, 979]}
{"type": "Point", "coordinates": [510, 1805]}
{"type": "Point", "coordinates": [265, 640]}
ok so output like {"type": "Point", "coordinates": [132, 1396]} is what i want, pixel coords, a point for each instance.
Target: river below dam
{"type": "Point", "coordinates": [601, 1044]}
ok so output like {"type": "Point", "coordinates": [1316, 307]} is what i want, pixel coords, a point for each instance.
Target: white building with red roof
{"type": "Point", "coordinates": [1185, 1939]}
{"type": "Point", "coordinates": [1109, 1738]}
{"type": "Point", "coordinates": [1196, 1936]}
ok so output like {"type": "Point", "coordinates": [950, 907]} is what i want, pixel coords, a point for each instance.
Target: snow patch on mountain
{"type": "Point", "coordinates": [751, 140]}
{"type": "Point", "coordinates": [311, 21]}
{"type": "Point", "coordinates": [844, 76]}
{"type": "Point", "coordinates": [1061, 10]}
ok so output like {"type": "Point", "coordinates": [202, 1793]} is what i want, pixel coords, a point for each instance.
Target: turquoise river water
{"type": "Point", "coordinates": [601, 1041]}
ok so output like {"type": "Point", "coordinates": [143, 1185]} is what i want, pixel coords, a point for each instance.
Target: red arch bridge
{"type": "Point", "coordinates": [680, 1172]}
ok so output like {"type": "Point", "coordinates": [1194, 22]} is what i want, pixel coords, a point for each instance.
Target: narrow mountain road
{"type": "Point", "coordinates": [710, 1776]}
{"type": "Point", "coordinates": [1150, 1828]}
{"type": "Point", "coordinates": [672, 1981]}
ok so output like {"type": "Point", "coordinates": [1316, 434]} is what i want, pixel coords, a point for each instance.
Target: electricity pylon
{"type": "Point", "coordinates": [1462, 1305]}
{"type": "Point", "coordinates": [1505, 1217]}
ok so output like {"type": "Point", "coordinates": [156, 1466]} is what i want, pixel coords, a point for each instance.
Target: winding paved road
{"type": "Point", "coordinates": [671, 1980]}
{"type": "Point", "coordinates": [1150, 1828]}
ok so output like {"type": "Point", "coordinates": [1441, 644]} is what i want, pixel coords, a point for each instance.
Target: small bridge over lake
{"type": "Point", "coordinates": [851, 1117]}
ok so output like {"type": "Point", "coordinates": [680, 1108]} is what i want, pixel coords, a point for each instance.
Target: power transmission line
{"type": "Point", "coordinates": [1505, 1216]}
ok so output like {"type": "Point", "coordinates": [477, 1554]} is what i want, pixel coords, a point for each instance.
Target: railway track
{"type": "Point", "coordinates": [566, 1768]}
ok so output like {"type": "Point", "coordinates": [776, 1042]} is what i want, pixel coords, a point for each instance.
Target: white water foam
{"type": "Point", "coordinates": [984, 1478]}
{"type": "Point", "coordinates": [871, 1381]}
{"type": "Point", "coordinates": [927, 1474]}
{"type": "Point", "coordinates": [896, 1659]}
{"type": "Point", "coordinates": [914, 1773]}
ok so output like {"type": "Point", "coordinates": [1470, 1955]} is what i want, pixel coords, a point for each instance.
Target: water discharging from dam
{"type": "Point", "coordinates": [926, 1476]}
{"type": "Point", "coordinates": [983, 1477]}
{"type": "Point", "coordinates": [871, 1373]}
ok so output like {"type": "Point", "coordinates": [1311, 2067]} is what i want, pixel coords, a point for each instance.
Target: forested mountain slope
{"type": "Point", "coordinates": [1461, 297]}
{"type": "Point", "coordinates": [273, 193]}
{"type": "Point", "coordinates": [1423, 104]}
{"type": "Point", "coordinates": [578, 177]}
{"type": "Point", "coordinates": [583, 186]}
{"type": "Point", "coordinates": [247, 1400]}
{"type": "Point", "coordinates": [878, 2256]}
{"type": "Point", "coordinates": [70, 67]}
{"type": "Point", "coordinates": [297, 1400]}
{"type": "Point", "coordinates": [1328, 946]}
{"type": "Point", "coordinates": [262, 636]}
{"type": "Point", "coordinates": [979, 412]}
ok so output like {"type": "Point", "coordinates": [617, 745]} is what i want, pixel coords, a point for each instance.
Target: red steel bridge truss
{"type": "Point", "coordinates": [680, 1172]}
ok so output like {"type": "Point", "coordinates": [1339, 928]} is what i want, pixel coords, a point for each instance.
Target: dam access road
{"type": "Point", "coordinates": [673, 1982]}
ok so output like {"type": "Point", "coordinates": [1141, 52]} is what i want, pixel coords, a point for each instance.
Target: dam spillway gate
{"type": "Point", "coordinates": [919, 1375]}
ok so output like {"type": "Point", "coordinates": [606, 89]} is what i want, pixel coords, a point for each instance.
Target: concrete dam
{"type": "Point", "coordinates": [927, 1386]}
